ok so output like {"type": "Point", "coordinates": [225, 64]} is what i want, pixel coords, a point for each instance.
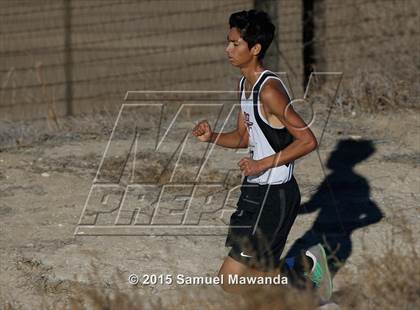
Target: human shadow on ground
{"type": "Point", "coordinates": [344, 204]}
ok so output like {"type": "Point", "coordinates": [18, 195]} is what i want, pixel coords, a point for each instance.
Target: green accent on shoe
{"type": "Point", "coordinates": [320, 275]}
{"type": "Point", "coordinates": [316, 275]}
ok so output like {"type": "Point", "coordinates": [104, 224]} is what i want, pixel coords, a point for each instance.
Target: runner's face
{"type": "Point", "coordinates": [237, 48]}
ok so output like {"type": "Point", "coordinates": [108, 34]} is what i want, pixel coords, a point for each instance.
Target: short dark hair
{"type": "Point", "coordinates": [255, 27]}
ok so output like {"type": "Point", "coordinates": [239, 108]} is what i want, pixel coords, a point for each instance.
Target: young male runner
{"type": "Point", "coordinates": [276, 136]}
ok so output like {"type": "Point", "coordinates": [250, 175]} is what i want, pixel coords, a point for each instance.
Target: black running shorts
{"type": "Point", "coordinates": [259, 227]}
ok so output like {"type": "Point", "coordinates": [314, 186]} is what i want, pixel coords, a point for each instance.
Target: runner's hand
{"type": "Point", "coordinates": [249, 166]}
{"type": "Point", "coordinates": [202, 131]}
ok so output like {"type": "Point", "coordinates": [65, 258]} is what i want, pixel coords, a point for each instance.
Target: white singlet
{"type": "Point", "coordinates": [265, 139]}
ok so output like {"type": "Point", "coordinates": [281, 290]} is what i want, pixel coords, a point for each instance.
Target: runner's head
{"type": "Point", "coordinates": [252, 30]}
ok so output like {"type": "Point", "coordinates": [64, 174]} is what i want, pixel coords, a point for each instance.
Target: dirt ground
{"type": "Point", "coordinates": [371, 163]}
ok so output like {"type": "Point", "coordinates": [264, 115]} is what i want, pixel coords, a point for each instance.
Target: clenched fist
{"type": "Point", "coordinates": [202, 131]}
{"type": "Point", "coordinates": [249, 166]}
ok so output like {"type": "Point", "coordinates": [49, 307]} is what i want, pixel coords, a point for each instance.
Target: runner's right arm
{"type": "Point", "coordinates": [234, 139]}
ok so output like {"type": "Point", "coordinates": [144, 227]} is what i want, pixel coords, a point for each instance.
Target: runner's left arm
{"type": "Point", "coordinates": [275, 102]}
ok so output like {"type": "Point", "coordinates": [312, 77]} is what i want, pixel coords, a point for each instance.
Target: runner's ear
{"type": "Point", "coordinates": [256, 49]}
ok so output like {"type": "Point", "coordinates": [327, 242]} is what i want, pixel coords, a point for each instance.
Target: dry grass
{"type": "Point", "coordinates": [375, 46]}
{"type": "Point", "coordinates": [389, 281]}
{"type": "Point", "coordinates": [375, 92]}
{"type": "Point", "coordinates": [205, 298]}
{"type": "Point", "coordinates": [25, 133]}
{"type": "Point", "coordinates": [112, 295]}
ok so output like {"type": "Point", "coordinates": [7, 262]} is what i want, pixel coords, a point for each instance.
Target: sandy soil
{"type": "Point", "coordinates": [44, 187]}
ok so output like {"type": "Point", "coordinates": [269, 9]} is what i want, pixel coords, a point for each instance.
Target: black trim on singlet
{"type": "Point", "coordinates": [241, 87]}
{"type": "Point", "coordinates": [279, 138]}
